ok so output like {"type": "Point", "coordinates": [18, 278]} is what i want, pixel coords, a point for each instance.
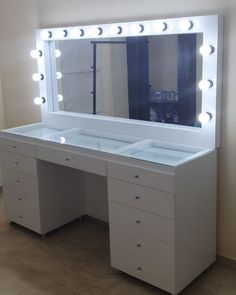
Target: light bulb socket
{"type": "Point", "coordinates": [43, 99]}
{"type": "Point", "coordinates": [49, 34]}
{"type": "Point", "coordinates": [119, 30]}
{"type": "Point", "coordinates": [65, 33]}
{"type": "Point", "coordinates": [81, 32]}
{"type": "Point", "coordinates": [141, 28]}
{"type": "Point", "coordinates": [100, 31]}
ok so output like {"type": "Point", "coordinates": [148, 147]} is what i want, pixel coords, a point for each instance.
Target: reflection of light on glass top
{"type": "Point", "coordinates": [93, 140]}
{"type": "Point", "coordinates": [159, 154]}
{"type": "Point", "coordinates": [40, 131]}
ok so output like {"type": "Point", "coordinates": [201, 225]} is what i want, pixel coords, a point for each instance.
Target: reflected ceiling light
{"type": "Point", "coordinates": [137, 29]}
{"type": "Point", "coordinates": [39, 100]}
{"type": "Point", "coordinates": [59, 75]}
{"type": "Point", "coordinates": [204, 85]}
{"type": "Point", "coordinates": [57, 53]}
{"type": "Point", "coordinates": [37, 77]}
{"type": "Point", "coordinates": [206, 49]}
{"type": "Point", "coordinates": [36, 53]}
{"type": "Point", "coordinates": [160, 26]}
{"type": "Point", "coordinates": [185, 24]}
{"type": "Point", "coordinates": [115, 30]}
{"type": "Point", "coordinates": [62, 139]}
{"type": "Point", "coordinates": [45, 34]}
{"type": "Point", "coordinates": [204, 118]}
{"type": "Point", "coordinates": [60, 98]}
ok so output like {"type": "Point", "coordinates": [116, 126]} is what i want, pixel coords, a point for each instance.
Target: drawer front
{"type": "Point", "coordinates": [154, 201]}
{"type": "Point", "coordinates": [141, 245]}
{"type": "Point", "coordinates": [148, 270]}
{"type": "Point", "coordinates": [26, 219]}
{"type": "Point", "coordinates": [154, 226]}
{"type": "Point", "coordinates": [18, 163]}
{"type": "Point", "coordinates": [73, 160]}
{"type": "Point", "coordinates": [137, 175]}
{"type": "Point", "coordinates": [24, 202]}
{"type": "Point", "coordinates": [20, 181]}
{"type": "Point", "coordinates": [19, 147]}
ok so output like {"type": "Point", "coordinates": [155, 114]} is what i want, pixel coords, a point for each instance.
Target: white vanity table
{"type": "Point", "coordinates": [159, 179]}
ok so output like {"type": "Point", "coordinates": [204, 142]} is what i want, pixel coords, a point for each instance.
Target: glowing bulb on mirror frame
{"type": "Point", "coordinates": [206, 49]}
{"type": "Point", "coordinates": [46, 34]}
{"type": "Point", "coordinates": [39, 100]}
{"type": "Point", "coordinates": [95, 31]}
{"type": "Point", "coordinates": [57, 53]}
{"type": "Point", "coordinates": [60, 98]}
{"type": "Point", "coordinates": [185, 25]}
{"type": "Point", "coordinates": [136, 29]}
{"type": "Point", "coordinates": [60, 34]}
{"type": "Point", "coordinates": [36, 53]}
{"type": "Point", "coordinates": [59, 75]}
{"type": "Point", "coordinates": [115, 30]}
{"type": "Point", "coordinates": [204, 85]}
{"type": "Point", "coordinates": [37, 77]}
{"type": "Point", "coordinates": [205, 118]}
{"type": "Point", "coordinates": [160, 26]}
{"type": "Point", "coordinates": [62, 140]}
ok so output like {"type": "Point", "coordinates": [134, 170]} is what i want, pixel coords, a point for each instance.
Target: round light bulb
{"type": "Point", "coordinates": [62, 139]}
{"type": "Point", "coordinates": [94, 32]}
{"type": "Point", "coordinates": [59, 75]}
{"type": "Point", "coordinates": [45, 34]}
{"type": "Point", "coordinates": [57, 53]}
{"type": "Point", "coordinates": [36, 53]}
{"type": "Point", "coordinates": [206, 49]}
{"type": "Point", "coordinates": [160, 26]}
{"type": "Point", "coordinates": [60, 97]}
{"type": "Point", "coordinates": [137, 29]}
{"type": "Point", "coordinates": [204, 118]}
{"type": "Point", "coordinates": [204, 85]}
{"type": "Point", "coordinates": [185, 25]}
{"type": "Point", "coordinates": [37, 77]}
{"type": "Point", "coordinates": [115, 30]}
{"type": "Point", "coordinates": [39, 100]}
{"type": "Point", "coordinates": [60, 34]}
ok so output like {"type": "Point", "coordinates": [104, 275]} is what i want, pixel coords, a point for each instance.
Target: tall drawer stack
{"type": "Point", "coordinates": [19, 169]}
{"type": "Point", "coordinates": [142, 223]}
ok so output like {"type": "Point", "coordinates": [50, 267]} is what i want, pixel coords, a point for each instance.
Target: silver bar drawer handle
{"type": "Point", "coordinates": [139, 268]}
{"type": "Point", "coordinates": [139, 245]}
{"type": "Point", "coordinates": [138, 221]}
{"type": "Point", "coordinates": [137, 197]}
{"type": "Point", "coordinates": [136, 176]}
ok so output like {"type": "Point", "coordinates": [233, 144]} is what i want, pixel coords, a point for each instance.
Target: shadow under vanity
{"type": "Point", "coordinates": [134, 153]}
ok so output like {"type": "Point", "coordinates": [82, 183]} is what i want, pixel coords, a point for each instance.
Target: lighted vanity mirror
{"type": "Point", "coordinates": [152, 78]}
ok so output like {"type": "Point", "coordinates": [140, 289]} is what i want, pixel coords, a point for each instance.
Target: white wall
{"type": "Point", "coordinates": [2, 119]}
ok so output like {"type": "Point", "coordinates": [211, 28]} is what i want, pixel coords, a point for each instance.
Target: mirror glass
{"type": "Point", "coordinates": [151, 78]}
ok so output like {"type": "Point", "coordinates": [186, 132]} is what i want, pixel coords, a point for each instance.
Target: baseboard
{"type": "Point", "coordinates": [226, 262]}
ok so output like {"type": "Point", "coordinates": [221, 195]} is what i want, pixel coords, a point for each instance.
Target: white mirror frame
{"type": "Point", "coordinates": [207, 136]}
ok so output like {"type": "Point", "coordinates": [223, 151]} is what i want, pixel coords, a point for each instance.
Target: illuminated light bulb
{"type": "Point", "coordinates": [39, 100]}
{"type": "Point", "coordinates": [94, 32]}
{"type": "Point", "coordinates": [59, 75]}
{"type": "Point", "coordinates": [206, 49]}
{"type": "Point", "coordinates": [137, 29]}
{"type": "Point", "coordinates": [60, 34]}
{"type": "Point", "coordinates": [204, 85]}
{"type": "Point", "coordinates": [115, 30]}
{"type": "Point", "coordinates": [37, 77]}
{"type": "Point", "coordinates": [36, 53]}
{"type": "Point", "coordinates": [62, 139]}
{"type": "Point", "coordinates": [185, 25]}
{"type": "Point", "coordinates": [204, 118]}
{"type": "Point", "coordinates": [46, 34]}
{"type": "Point", "coordinates": [57, 53]}
{"type": "Point", "coordinates": [160, 26]}
{"type": "Point", "coordinates": [60, 97]}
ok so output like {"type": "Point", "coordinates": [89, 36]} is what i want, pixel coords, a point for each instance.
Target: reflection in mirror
{"type": "Point", "coordinates": [153, 78]}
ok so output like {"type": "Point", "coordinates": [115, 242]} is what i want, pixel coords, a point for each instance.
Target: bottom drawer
{"type": "Point", "coordinates": [26, 219]}
{"type": "Point", "coordinates": [142, 268]}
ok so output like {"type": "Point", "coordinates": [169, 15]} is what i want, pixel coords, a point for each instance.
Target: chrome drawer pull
{"type": "Point", "coordinates": [138, 221]}
{"type": "Point", "coordinates": [16, 163]}
{"type": "Point", "coordinates": [20, 217]}
{"type": "Point", "coordinates": [14, 147]}
{"type": "Point", "coordinates": [19, 199]}
{"type": "Point", "coordinates": [136, 176]}
{"type": "Point", "coordinates": [139, 245]}
{"type": "Point", "coordinates": [67, 159]}
{"type": "Point", "coordinates": [139, 268]}
{"type": "Point", "coordinates": [17, 181]}
{"type": "Point", "coordinates": [137, 198]}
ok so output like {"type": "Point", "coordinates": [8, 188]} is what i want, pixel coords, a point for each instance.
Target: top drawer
{"type": "Point", "coordinates": [151, 178]}
{"type": "Point", "coordinates": [19, 147]}
{"type": "Point", "coordinates": [73, 160]}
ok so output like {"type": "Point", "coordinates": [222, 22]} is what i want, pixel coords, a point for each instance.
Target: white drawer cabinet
{"type": "Point", "coordinates": [18, 146]}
